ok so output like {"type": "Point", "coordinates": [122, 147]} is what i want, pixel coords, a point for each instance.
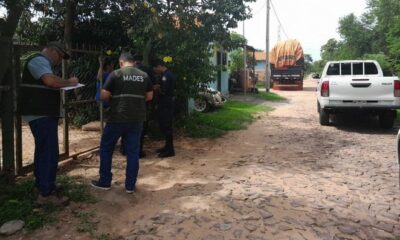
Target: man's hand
{"type": "Point", "coordinates": [101, 60]}
{"type": "Point", "coordinates": [73, 81]}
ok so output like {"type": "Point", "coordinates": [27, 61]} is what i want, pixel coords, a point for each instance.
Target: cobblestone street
{"type": "Point", "coordinates": [285, 177]}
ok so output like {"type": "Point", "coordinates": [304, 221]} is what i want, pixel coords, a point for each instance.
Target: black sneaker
{"type": "Point", "coordinates": [129, 190]}
{"type": "Point", "coordinates": [160, 150]}
{"type": "Point", "coordinates": [166, 154]}
{"type": "Point", "coordinates": [98, 185]}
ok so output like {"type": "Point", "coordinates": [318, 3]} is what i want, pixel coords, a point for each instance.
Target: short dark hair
{"type": "Point", "coordinates": [126, 56]}
{"type": "Point", "coordinates": [138, 57]}
{"type": "Point", "coordinates": [107, 61]}
{"type": "Point", "coordinates": [158, 62]}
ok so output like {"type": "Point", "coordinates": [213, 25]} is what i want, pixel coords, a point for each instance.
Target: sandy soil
{"type": "Point", "coordinates": [285, 177]}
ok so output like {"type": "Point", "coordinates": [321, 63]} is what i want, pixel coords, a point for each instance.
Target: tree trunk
{"type": "Point", "coordinates": [6, 35]}
{"type": "Point", "coordinates": [69, 23]}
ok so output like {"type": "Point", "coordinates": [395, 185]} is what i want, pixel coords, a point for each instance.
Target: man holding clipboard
{"type": "Point", "coordinates": [39, 104]}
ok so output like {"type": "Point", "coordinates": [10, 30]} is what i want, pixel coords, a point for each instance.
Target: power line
{"type": "Point", "coordinates": [277, 17]}
{"type": "Point", "coordinates": [260, 9]}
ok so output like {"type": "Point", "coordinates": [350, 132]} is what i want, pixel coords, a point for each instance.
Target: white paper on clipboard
{"type": "Point", "coordinates": [73, 87]}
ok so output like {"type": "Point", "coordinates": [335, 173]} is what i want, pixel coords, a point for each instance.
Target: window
{"type": "Point", "coordinates": [333, 69]}
{"type": "Point", "coordinates": [224, 58]}
{"type": "Point", "coordinates": [219, 58]}
{"type": "Point", "coordinates": [346, 68]}
{"type": "Point", "coordinates": [370, 68]}
{"type": "Point", "coordinates": [358, 69]}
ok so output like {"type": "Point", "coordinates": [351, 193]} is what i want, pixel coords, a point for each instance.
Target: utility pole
{"type": "Point", "coordinates": [267, 72]}
{"type": "Point", "coordinates": [244, 61]}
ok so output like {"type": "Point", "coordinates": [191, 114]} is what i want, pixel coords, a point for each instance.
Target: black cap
{"type": "Point", "coordinates": [60, 47]}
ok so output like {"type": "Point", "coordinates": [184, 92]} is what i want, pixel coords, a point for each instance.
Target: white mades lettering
{"type": "Point", "coordinates": [133, 78]}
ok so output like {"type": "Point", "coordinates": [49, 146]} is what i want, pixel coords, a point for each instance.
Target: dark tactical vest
{"type": "Point", "coordinates": [128, 96]}
{"type": "Point", "coordinates": [35, 98]}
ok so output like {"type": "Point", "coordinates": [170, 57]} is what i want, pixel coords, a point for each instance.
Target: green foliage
{"type": "Point", "coordinates": [393, 38]}
{"type": "Point", "coordinates": [19, 201]}
{"type": "Point", "coordinates": [383, 60]}
{"type": "Point", "coordinates": [185, 30]}
{"type": "Point", "coordinates": [318, 66]}
{"type": "Point", "coordinates": [233, 115]}
{"type": "Point", "coordinates": [237, 60]}
{"type": "Point", "coordinates": [374, 35]}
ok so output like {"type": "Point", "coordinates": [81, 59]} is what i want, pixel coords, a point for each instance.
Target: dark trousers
{"type": "Point", "coordinates": [45, 133]}
{"type": "Point", "coordinates": [144, 132]}
{"type": "Point", "coordinates": [165, 112]}
{"type": "Point", "coordinates": [130, 133]}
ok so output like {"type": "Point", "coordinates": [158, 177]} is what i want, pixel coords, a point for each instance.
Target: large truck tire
{"type": "Point", "coordinates": [386, 119]}
{"type": "Point", "coordinates": [323, 117]}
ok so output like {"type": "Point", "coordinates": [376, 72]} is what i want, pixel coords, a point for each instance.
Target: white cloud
{"type": "Point", "coordinates": [312, 22]}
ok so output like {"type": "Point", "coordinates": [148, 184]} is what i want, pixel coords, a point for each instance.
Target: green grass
{"type": "Point", "coordinates": [233, 115]}
{"type": "Point", "coordinates": [260, 84]}
{"type": "Point", "coordinates": [269, 96]}
{"type": "Point", "coordinates": [18, 202]}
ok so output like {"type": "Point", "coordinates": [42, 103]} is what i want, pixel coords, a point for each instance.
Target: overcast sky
{"type": "Point", "coordinates": [312, 22]}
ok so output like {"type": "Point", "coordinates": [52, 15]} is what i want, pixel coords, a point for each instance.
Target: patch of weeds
{"type": "Point", "coordinates": [234, 115]}
{"type": "Point", "coordinates": [74, 189]}
{"type": "Point", "coordinates": [86, 224]}
{"type": "Point", "coordinates": [18, 201]}
{"type": "Point", "coordinates": [103, 237]}
{"type": "Point", "coordinates": [270, 96]}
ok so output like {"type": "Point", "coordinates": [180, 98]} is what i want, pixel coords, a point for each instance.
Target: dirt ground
{"type": "Point", "coordinates": [285, 177]}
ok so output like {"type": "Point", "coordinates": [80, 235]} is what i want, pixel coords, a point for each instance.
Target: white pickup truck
{"type": "Point", "coordinates": [357, 85]}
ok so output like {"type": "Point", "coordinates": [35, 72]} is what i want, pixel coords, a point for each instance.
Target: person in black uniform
{"type": "Point", "coordinates": [165, 90]}
{"type": "Point", "coordinates": [138, 58]}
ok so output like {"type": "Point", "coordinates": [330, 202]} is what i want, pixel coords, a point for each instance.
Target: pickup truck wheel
{"type": "Point", "coordinates": [386, 119]}
{"type": "Point", "coordinates": [323, 117]}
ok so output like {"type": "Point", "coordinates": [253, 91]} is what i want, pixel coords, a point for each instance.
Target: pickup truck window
{"type": "Point", "coordinates": [358, 69]}
{"type": "Point", "coordinates": [370, 68]}
{"type": "Point", "coordinates": [346, 68]}
{"type": "Point", "coordinates": [333, 69]}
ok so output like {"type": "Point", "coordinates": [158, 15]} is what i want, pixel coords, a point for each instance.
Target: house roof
{"type": "Point", "coordinates": [260, 56]}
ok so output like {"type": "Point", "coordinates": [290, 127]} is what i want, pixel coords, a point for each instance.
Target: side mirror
{"type": "Point", "coordinates": [315, 76]}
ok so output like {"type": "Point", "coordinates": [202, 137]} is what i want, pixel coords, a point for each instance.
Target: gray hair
{"type": "Point", "coordinates": [126, 57]}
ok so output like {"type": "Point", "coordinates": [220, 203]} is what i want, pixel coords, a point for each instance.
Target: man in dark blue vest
{"type": "Point", "coordinates": [127, 89]}
{"type": "Point", "coordinates": [39, 104]}
{"type": "Point", "coordinates": [165, 90]}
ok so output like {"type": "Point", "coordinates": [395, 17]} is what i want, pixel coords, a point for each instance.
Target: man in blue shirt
{"type": "Point", "coordinates": [106, 67]}
{"type": "Point", "coordinates": [39, 104]}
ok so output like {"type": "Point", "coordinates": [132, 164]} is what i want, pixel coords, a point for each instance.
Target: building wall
{"type": "Point", "coordinates": [260, 66]}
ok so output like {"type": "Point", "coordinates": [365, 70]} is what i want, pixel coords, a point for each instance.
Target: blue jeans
{"type": "Point", "coordinates": [130, 133]}
{"type": "Point", "coordinates": [45, 133]}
